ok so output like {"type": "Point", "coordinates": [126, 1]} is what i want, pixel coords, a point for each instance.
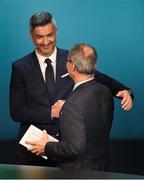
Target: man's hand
{"type": "Point", "coordinates": [126, 99]}
{"type": "Point", "coordinates": [56, 108]}
{"type": "Point", "coordinates": [38, 147]}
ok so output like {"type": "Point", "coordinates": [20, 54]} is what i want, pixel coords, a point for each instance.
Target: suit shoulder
{"type": "Point", "coordinates": [24, 60]}
{"type": "Point", "coordinates": [96, 86]}
{"type": "Point", "coordinates": [103, 89]}
{"type": "Point", "coordinates": [62, 52]}
{"type": "Point", "coordinates": [102, 86]}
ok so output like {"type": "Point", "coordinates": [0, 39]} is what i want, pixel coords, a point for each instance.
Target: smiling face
{"type": "Point", "coordinates": [44, 39]}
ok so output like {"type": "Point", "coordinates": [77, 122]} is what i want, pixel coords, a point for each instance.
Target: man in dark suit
{"type": "Point", "coordinates": [85, 119]}
{"type": "Point", "coordinates": [30, 100]}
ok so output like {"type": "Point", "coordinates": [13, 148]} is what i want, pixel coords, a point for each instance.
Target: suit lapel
{"type": "Point", "coordinates": [60, 68]}
{"type": "Point", "coordinates": [37, 72]}
{"type": "Point", "coordinates": [36, 68]}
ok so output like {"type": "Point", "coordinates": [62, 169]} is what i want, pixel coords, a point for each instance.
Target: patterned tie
{"type": "Point", "coordinates": [49, 77]}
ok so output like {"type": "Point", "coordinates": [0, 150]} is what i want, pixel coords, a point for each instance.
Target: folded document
{"type": "Point", "coordinates": [33, 134]}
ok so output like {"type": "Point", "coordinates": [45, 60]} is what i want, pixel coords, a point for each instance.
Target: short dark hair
{"type": "Point", "coordinates": [41, 19]}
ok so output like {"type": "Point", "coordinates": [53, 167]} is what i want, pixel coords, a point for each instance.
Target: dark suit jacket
{"type": "Point", "coordinates": [29, 99]}
{"type": "Point", "coordinates": [85, 122]}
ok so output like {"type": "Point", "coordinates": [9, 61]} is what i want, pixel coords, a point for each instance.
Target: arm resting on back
{"type": "Point", "coordinates": [114, 85]}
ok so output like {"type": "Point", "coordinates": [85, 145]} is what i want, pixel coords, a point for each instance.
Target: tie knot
{"type": "Point", "coordinates": [47, 61]}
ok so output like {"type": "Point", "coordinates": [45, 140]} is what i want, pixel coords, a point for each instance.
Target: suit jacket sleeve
{"type": "Point", "coordinates": [73, 134]}
{"type": "Point", "coordinates": [111, 83]}
{"type": "Point", "coordinates": [20, 109]}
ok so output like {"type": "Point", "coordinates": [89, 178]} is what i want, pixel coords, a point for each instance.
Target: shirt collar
{"type": "Point", "coordinates": [79, 83]}
{"type": "Point", "coordinates": [52, 57]}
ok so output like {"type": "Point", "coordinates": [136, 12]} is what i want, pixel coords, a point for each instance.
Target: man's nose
{"type": "Point", "coordinates": [45, 40]}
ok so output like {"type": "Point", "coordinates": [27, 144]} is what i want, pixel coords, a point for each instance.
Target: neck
{"type": "Point", "coordinates": [82, 77]}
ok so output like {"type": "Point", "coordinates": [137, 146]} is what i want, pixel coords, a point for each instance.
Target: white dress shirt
{"type": "Point", "coordinates": [43, 65]}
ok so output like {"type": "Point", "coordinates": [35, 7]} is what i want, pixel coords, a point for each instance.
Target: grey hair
{"type": "Point", "coordinates": [84, 56]}
{"type": "Point", "coordinates": [41, 19]}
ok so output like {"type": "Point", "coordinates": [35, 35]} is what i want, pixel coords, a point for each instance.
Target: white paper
{"type": "Point", "coordinates": [33, 134]}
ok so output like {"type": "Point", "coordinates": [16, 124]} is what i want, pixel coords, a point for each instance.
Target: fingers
{"type": "Point", "coordinates": [127, 104]}
{"type": "Point", "coordinates": [45, 132]}
{"type": "Point", "coordinates": [31, 142]}
{"type": "Point", "coordinates": [45, 138]}
{"type": "Point", "coordinates": [35, 150]}
{"type": "Point", "coordinates": [126, 99]}
{"type": "Point", "coordinates": [59, 103]}
{"type": "Point", "coordinates": [37, 147]}
{"type": "Point", "coordinates": [119, 94]}
{"type": "Point", "coordinates": [56, 108]}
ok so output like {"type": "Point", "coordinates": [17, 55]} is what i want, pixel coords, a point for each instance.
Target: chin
{"type": "Point", "coordinates": [46, 53]}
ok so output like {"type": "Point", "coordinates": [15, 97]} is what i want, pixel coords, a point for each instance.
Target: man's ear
{"type": "Point", "coordinates": [74, 67]}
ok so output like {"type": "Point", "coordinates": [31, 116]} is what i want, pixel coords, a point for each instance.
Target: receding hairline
{"type": "Point", "coordinates": [88, 51]}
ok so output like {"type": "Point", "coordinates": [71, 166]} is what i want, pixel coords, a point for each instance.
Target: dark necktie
{"type": "Point", "coordinates": [49, 77]}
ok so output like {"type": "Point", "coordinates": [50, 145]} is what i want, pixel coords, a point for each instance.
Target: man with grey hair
{"type": "Point", "coordinates": [38, 80]}
{"type": "Point", "coordinates": [85, 118]}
